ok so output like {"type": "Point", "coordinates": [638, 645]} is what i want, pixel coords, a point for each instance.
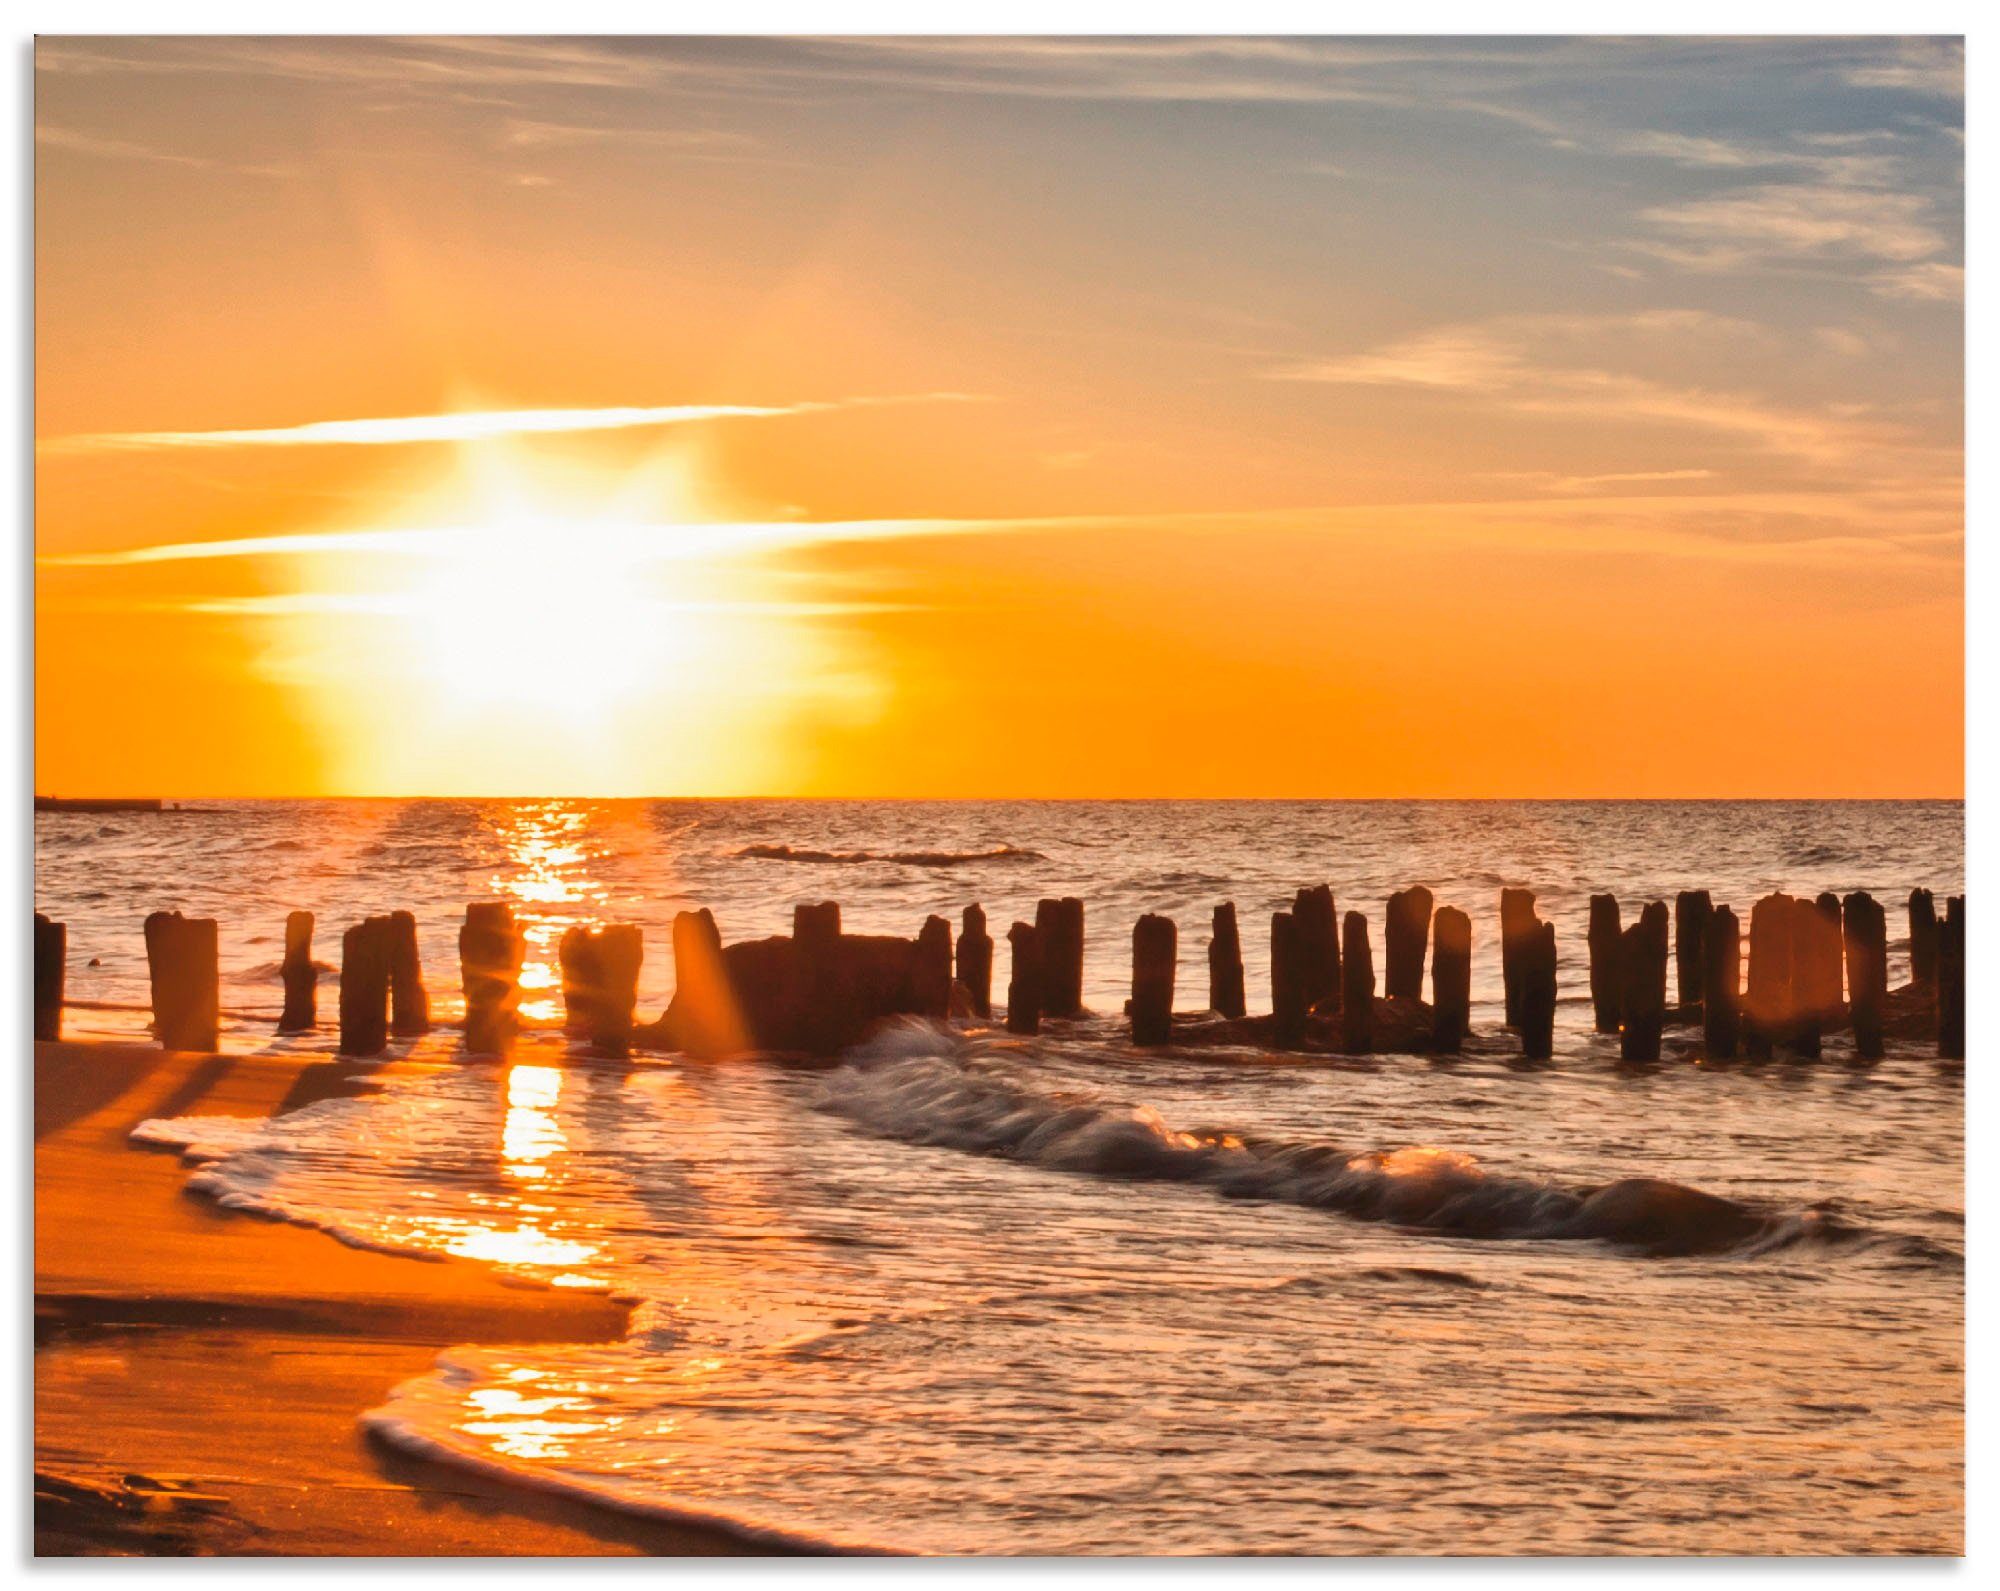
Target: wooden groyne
{"type": "Point", "coordinates": [1815, 967]}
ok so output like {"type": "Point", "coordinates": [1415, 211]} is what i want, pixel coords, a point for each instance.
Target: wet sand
{"type": "Point", "coordinates": [199, 1374]}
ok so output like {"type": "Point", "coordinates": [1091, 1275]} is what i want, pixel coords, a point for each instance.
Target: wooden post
{"type": "Point", "coordinates": [1318, 934]}
{"type": "Point", "coordinates": [409, 1006]}
{"type": "Point", "coordinates": [1155, 951]}
{"type": "Point", "coordinates": [364, 987]}
{"type": "Point", "coordinates": [1951, 980]}
{"type": "Point", "coordinates": [181, 962]}
{"type": "Point", "coordinates": [1059, 926]}
{"type": "Point", "coordinates": [1865, 940]}
{"type": "Point", "coordinates": [1923, 939]}
{"type": "Point", "coordinates": [710, 1017]}
{"type": "Point", "coordinates": [1538, 990]}
{"type": "Point", "coordinates": [51, 957]}
{"type": "Point", "coordinates": [1606, 983]}
{"type": "Point", "coordinates": [1288, 981]}
{"type": "Point", "coordinates": [975, 961]}
{"type": "Point", "coordinates": [1225, 963]}
{"type": "Point", "coordinates": [1810, 944]}
{"type": "Point", "coordinates": [819, 996]}
{"type": "Point", "coordinates": [1642, 984]}
{"type": "Point", "coordinates": [573, 966]}
{"type": "Point", "coordinates": [1768, 1000]}
{"type": "Point", "coordinates": [1692, 910]}
{"type": "Point", "coordinates": [1024, 986]}
{"type": "Point", "coordinates": [1517, 925]}
{"type": "Point", "coordinates": [301, 976]}
{"type": "Point", "coordinates": [1357, 987]}
{"type": "Point", "coordinates": [600, 984]}
{"type": "Point", "coordinates": [490, 951]}
{"type": "Point", "coordinates": [1451, 981]}
{"type": "Point", "coordinates": [1406, 932]}
{"type": "Point", "coordinates": [1722, 983]}
{"type": "Point", "coordinates": [932, 973]}
{"type": "Point", "coordinates": [1822, 991]}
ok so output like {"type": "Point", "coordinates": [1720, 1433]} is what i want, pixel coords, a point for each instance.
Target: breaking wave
{"type": "Point", "coordinates": [916, 1084]}
{"type": "Point", "coordinates": [789, 853]}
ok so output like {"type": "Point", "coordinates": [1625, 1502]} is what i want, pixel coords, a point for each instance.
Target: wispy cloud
{"type": "Point", "coordinates": [1795, 221]}
{"type": "Point", "coordinates": [1527, 363]}
{"type": "Point", "coordinates": [473, 426]}
{"type": "Point", "coordinates": [79, 143]}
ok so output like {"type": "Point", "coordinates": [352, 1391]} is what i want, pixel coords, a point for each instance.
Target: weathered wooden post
{"type": "Point", "coordinates": [181, 963]}
{"type": "Point", "coordinates": [300, 975]}
{"type": "Point", "coordinates": [409, 1006]}
{"type": "Point", "coordinates": [365, 952]}
{"type": "Point", "coordinates": [1642, 983]}
{"type": "Point", "coordinates": [975, 961]}
{"type": "Point", "coordinates": [1606, 982]}
{"type": "Point", "coordinates": [491, 949]}
{"type": "Point", "coordinates": [819, 995]}
{"type": "Point", "coordinates": [1024, 981]}
{"type": "Point", "coordinates": [600, 983]}
{"type": "Point", "coordinates": [1517, 926]}
{"type": "Point", "coordinates": [1822, 995]}
{"type": "Point", "coordinates": [931, 975]}
{"type": "Point", "coordinates": [1225, 963]}
{"type": "Point", "coordinates": [1059, 925]}
{"type": "Point", "coordinates": [1692, 910]}
{"type": "Point", "coordinates": [1812, 944]}
{"type": "Point", "coordinates": [1288, 981]}
{"type": "Point", "coordinates": [1951, 980]}
{"type": "Point", "coordinates": [51, 958]}
{"type": "Point", "coordinates": [1406, 932]}
{"type": "Point", "coordinates": [1538, 989]}
{"type": "Point", "coordinates": [1318, 932]}
{"type": "Point", "coordinates": [1923, 938]}
{"type": "Point", "coordinates": [1722, 983]}
{"type": "Point", "coordinates": [1451, 981]}
{"type": "Point", "coordinates": [1155, 952]}
{"type": "Point", "coordinates": [1865, 940]}
{"type": "Point", "coordinates": [1357, 987]}
{"type": "Point", "coordinates": [1768, 999]}
{"type": "Point", "coordinates": [711, 1020]}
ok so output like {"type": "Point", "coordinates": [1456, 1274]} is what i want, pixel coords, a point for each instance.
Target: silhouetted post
{"type": "Point", "coordinates": [975, 960]}
{"type": "Point", "coordinates": [1318, 934]}
{"type": "Point", "coordinates": [1768, 1000]}
{"type": "Point", "coordinates": [1538, 989]}
{"type": "Point", "coordinates": [1517, 926]}
{"type": "Point", "coordinates": [711, 1020]}
{"type": "Point", "coordinates": [1865, 938]}
{"type": "Point", "coordinates": [1642, 985]}
{"type": "Point", "coordinates": [409, 1006]}
{"type": "Point", "coordinates": [1951, 980]}
{"type": "Point", "coordinates": [1288, 981]}
{"type": "Point", "coordinates": [51, 956]}
{"type": "Point", "coordinates": [1059, 924]}
{"type": "Point", "coordinates": [1225, 963]}
{"type": "Point", "coordinates": [1024, 984]}
{"type": "Point", "coordinates": [1722, 983]}
{"type": "Point", "coordinates": [1357, 987]}
{"type": "Point", "coordinates": [1606, 985]}
{"type": "Point", "coordinates": [1692, 910]}
{"type": "Point", "coordinates": [1820, 996]}
{"type": "Point", "coordinates": [819, 992]}
{"type": "Point", "coordinates": [1451, 980]}
{"type": "Point", "coordinates": [1406, 932]}
{"type": "Point", "coordinates": [931, 973]}
{"type": "Point", "coordinates": [600, 983]}
{"type": "Point", "coordinates": [1813, 946]}
{"type": "Point", "coordinates": [365, 952]}
{"type": "Point", "coordinates": [490, 951]}
{"type": "Point", "coordinates": [1155, 952]}
{"type": "Point", "coordinates": [181, 962]}
{"type": "Point", "coordinates": [1923, 938]}
{"type": "Point", "coordinates": [300, 975]}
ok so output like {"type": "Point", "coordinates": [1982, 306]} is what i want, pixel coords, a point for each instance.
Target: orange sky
{"type": "Point", "coordinates": [999, 417]}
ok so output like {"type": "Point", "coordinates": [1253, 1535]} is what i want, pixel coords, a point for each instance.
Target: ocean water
{"type": "Point", "coordinates": [957, 1292]}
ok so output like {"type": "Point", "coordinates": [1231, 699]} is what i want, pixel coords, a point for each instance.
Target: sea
{"type": "Point", "coordinates": [965, 1293]}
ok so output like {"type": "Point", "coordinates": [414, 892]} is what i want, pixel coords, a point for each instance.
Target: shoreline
{"type": "Point", "coordinates": [200, 1375]}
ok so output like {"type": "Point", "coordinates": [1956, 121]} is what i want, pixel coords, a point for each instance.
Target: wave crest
{"type": "Point", "coordinates": [791, 853]}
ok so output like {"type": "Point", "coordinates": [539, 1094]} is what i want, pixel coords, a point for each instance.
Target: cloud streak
{"type": "Point", "coordinates": [468, 426]}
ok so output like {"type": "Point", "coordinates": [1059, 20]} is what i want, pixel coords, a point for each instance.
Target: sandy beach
{"type": "Point", "coordinates": [198, 1374]}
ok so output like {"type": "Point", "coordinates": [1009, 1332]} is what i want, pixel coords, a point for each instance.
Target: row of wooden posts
{"type": "Point", "coordinates": [1321, 965]}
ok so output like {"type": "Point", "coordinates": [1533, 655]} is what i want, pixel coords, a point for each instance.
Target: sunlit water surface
{"type": "Point", "coordinates": [963, 1293]}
